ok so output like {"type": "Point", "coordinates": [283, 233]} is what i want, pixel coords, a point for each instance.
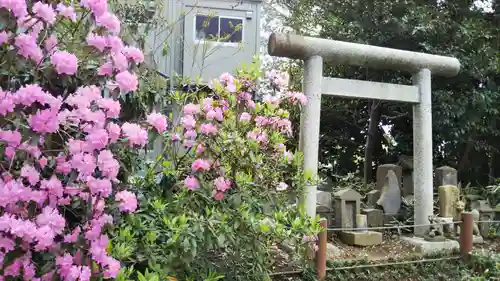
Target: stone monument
{"type": "Point", "coordinates": [445, 176]}
{"type": "Point", "coordinates": [435, 233]}
{"type": "Point", "coordinates": [486, 213]}
{"type": "Point", "coordinates": [324, 205]}
{"type": "Point", "coordinates": [448, 198]}
{"type": "Point", "coordinates": [382, 171]}
{"type": "Point", "coordinates": [348, 215]}
{"type": "Point", "coordinates": [406, 163]}
{"type": "Point", "coordinates": [390, 197]}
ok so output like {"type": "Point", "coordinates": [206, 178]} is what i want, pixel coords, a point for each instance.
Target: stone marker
{"type": "Point", "coordinates": [372, 198]}
{"type": "Point", "coordinates": [446, 176]}
{"type": "Point", "coordinates": [361, 222]}
{"type": "Point", "coordinates": [407, 188]}
{"type": "Point", "coordinates": [390, 198]}
{"type": "Point", "coordinates": [347, 206]}
{"type": "Point", "coordinates": [382, 171]}
{"type": "Point", "coordinates": [486, 213]}
{"type": "Point", "coordinates": [324, 198]}
{"type": "Point", "coordinates": [347, 211]}
{"type": "Point", "coordinates": [448, 197]}
{"type": "Point", "coordinates": [374, 217]}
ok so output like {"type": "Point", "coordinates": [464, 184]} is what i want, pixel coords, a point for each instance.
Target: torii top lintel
{"type": "Point", "coordinates": [338, 52]}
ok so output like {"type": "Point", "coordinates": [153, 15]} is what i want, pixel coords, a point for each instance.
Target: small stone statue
{"type": "Point", "coordinates": [435, 233]}
{"type": "Point", "coordinates": [459, 208]}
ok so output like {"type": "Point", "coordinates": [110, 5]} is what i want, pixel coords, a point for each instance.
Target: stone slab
{"type": "Point", "coordinates": [428, 247]}
{"type": "Point", "coordinates": [361, 238]}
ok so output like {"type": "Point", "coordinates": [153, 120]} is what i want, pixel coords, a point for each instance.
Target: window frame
{"type": "Point", "coordinates": [221, 43]}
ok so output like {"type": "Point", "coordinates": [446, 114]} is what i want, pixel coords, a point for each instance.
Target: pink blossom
{"type": "Point", "coordinates": [191, 183]}
{"type": "Point", "coordinates": [28, 47]}
{"type": "Point", "coordinates": [245, 117]}
{"type": "Point", "coordinates": [134, 54]}
{"type": "Point", "coordinates": [128, 201]}
{"type": "Point", "coordinates": [50, 43]}
{"type": "Point", "coordinates": [200, 165]}
{"type": "Point", "coordinates": [97, 41]}
{"type": "Point", "coordinates": [115, 43]}
{"type": "Point", "coordinates": [12, 138]}
{"type": "Point", "coordinates": [119, 61]}
{"type": "Point", "coordinates": [191, 109]}
{"type": "Point", "coordinates": [66, 11]}
{"type": "Point", "coordinates": [45, 12]}
{"type": "Point", "coordinates": [64, 62]}
{"type": "Point", "coordinates": [7, 103]}
{"type": "Point", "coordinates": [297, 97]}
{"type": "Point", "coordinates": [50, 217]}
{"type": "Point", "coordinates": [127, 82]}
{"type": "Point", "coordinates": [106, 69]}
{"type": "Point", "coordinates": [222, 184]}
{"type": "Point", "coordinates": [109, 21]}
{"type": "Point", "coordinates": [216, 114]}
{"type": "Point", "coordinates": [42, 162]}
{"type": "Point", "coordinates": [158, 121]}
{"type": "Point", "coordinates": [278, 79]}
{"type": "Point", "coordinates": [44, 121]}
{"type": "Point", "coordinates": [190, 134]}
{"type": "Point", "coordinates": [113, 268]}
{"type": "Point", "coordinates": [111, 106]}
{"type": "Point", "coordinates": [188, 121]}
{"type": "Point", "coordinates": [84, 163]}
{"type": "Point", "coordinates": [4, 37]}
{"type": "Point", "coordinates": [208, 104]}
{"type": "Point", "coordinates": [187, 143]}
{"type": "Point", "coordinates": [217, 195]}
{"type": "Point", "coordinates": [135, 134]}
{"type": "Point", "coordinates": [17, 7]}
{"type": "Point", "coordinates": [98, 7]}
{"type": "Point", "coordinates": [208, 129]}
{"type": "Point", "coordinates": [97, 139]}
{"type": "Point", "coordinates": [101, 187]}
{"type": "Point", "coordinates": [114, 132]}
{"type": "Point", "coordinates": [107, 164]}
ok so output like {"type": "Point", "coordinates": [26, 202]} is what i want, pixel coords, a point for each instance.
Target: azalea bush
{"type": "Point", "coordinates": [222, 191]}
{"type": "Point", "coordinates": [63, 70]}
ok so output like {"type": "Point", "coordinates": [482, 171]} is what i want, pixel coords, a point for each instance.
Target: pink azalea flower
{"type": "Point", "coordinates": [66, 11]}
{"type": "Point", "coordinates": [191, 109]}
{"type": "Point", "coordinates": [135, 134]}
{"type": "Point", "coordinates": [45, 12]}
{"type": "Point", "coordinates": [158, 121]}
{"type": "Point", "coordinates": [191, 183]}
{"type": "Point", "coordinates": [97, 41]}
{"type": "Point", "coordinates": [128, 201]}
{"type": "Point", "coordinates": [134, 54]}
{"type": "Point", "coordinates": [110, 22]}
{"type": "Point", "coordinates": [208, 129]}
{"type": "Point", "coordinates": [50, 43]}
{"type": "Point", "coordinates": [222, 184]}
{"type": "Point", "coordinates": [127, 82]}
{"type": "Point", "coordinates": [64, 62]}
{"type": "Point", "coordinates": [106, 69]}
{"type": "Point", "coordinates": [245, 117]}
{"type": "Point", "coordinates": [188, 121]}
{"type": "Point", "coordinates": [4, 37]}
{"type": "Point", "coordinates": [98, 7]}
{"type": "Point", "coordinates": [201, 165]}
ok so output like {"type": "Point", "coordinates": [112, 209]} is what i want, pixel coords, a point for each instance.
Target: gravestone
{"type": "Point", "coordinates": [347, 211]}
{"type": "Point", "coordinates": [446, 176]}
{"type": "Point", "coordinates": [497, 212]}
{"type": "Point", "coordinates": [486, 213]}
{"type": "Point", "coordinates": [361, 222]}
{"type": "Point", "coordinates": [324, 205]}
{"type": "Point", "coordinates": [390, 197]}
{"type": "Point", "coordinates": [372, 198]}
{"type": "Point", "coordinates": [374, 217]}
{"type": "Point", "coordinates": [448, 198]}
{"type": "Point", "coordinates": [406, 163]}
{"type": "Point", "coordinates": [382, 171]}
{"type": "Point", "coordinates": [347, 206]}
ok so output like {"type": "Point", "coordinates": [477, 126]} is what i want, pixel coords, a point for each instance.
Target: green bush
{"type": "Point", "coordinates": [202, 223]}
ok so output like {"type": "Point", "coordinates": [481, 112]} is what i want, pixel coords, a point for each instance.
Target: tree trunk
{"type": "Point", "coordinates": [371, 138]}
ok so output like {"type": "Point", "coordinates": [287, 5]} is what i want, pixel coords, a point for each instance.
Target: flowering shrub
{"type": "Point", "coordinates": [218, 197]}
{"type": "Point", "coordinates": [58, 137]}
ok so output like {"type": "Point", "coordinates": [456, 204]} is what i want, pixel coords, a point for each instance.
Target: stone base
{"type": "Point", "coordinates": [477, 239]}
{"type": "Point", "coordinates": [361, 238]}
{"type": "Point", "coordinates": [428, 247]}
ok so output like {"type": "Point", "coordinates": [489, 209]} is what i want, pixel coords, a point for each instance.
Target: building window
{"type": "Point", "coordinates": [218, 29]}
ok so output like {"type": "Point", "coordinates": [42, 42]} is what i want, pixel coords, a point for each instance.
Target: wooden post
{"type": "Point", "coordinates": [466, 234]}
{"type": "Point", "coordinates": [321, 253]}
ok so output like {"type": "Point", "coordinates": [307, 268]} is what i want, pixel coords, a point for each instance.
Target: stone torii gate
{"type": "Point", "coordinates": [315, 51]}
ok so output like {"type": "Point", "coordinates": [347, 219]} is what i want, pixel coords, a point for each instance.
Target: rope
{"type": "Point", "coordinates": [393, 226]}
{"type": "Point", "coordinates": [392, 263]}
{"type": "Point", "coordinates": [286, 273]}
